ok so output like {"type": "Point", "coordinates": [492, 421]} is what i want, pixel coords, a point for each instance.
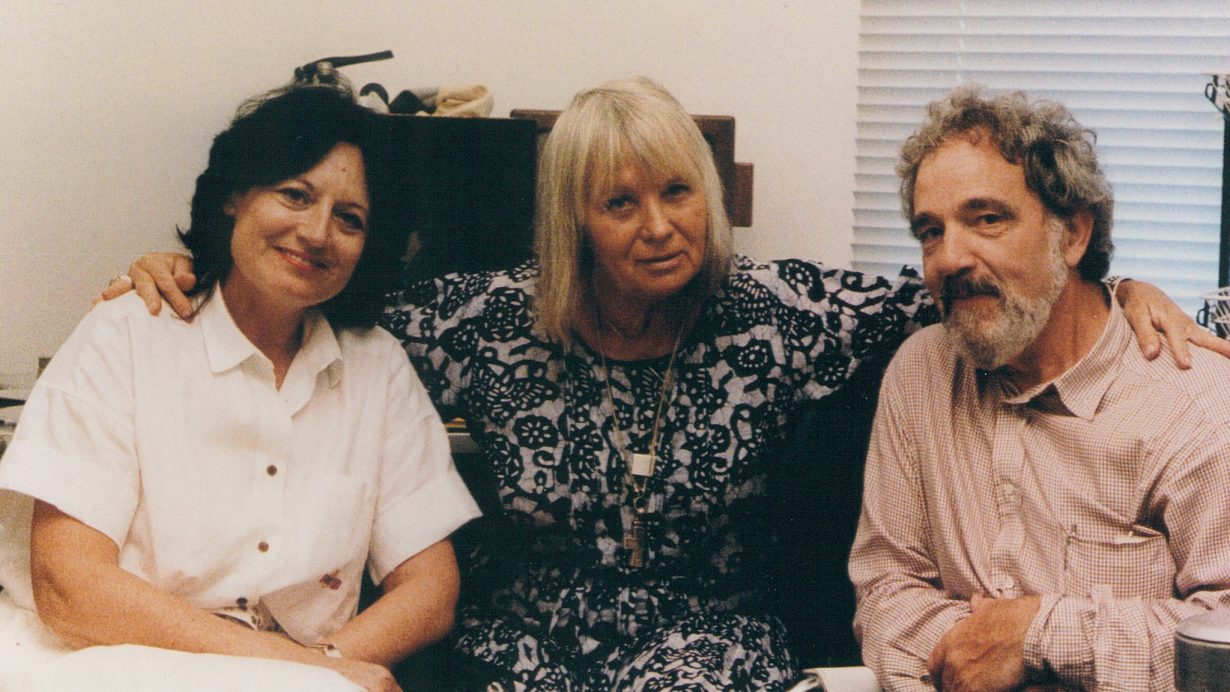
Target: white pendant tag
{"type": "Point", "coordinates": [642, 464]}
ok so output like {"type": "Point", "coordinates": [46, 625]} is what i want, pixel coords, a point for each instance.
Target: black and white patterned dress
{"type": "Point", "coordinates": [550, 598]}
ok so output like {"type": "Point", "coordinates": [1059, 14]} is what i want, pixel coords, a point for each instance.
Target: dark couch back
{"type": "Point", "coordinates": [818, 488]}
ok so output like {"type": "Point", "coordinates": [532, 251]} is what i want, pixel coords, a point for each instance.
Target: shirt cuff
{"type": "Point", "coordinates": [102, 500]}
{"type": "Point", "coordinates": [1035, 658]}
{"type": "Point", "coordinates": [1055, 641]}
{"type": "Point", "coordinates": [419, 521]}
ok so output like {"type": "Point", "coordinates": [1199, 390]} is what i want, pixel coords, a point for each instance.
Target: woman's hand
{"type": "Point", "coordinates": [156, 276]}
{"type": "Point", "coordinates": [1150, 311]}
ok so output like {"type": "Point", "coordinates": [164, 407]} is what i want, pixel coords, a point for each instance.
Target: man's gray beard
{"type": "Point", "coordinates": [991, 342]}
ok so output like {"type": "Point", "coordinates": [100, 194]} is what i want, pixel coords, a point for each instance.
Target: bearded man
{"type": "Point", "coordinates": [1042, 504]}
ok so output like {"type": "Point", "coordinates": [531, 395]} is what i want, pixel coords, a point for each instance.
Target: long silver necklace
{"type": "Point", "coordinates": [641, 465]}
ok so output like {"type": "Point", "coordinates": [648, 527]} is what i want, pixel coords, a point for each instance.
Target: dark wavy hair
{"type": "Point", "coordinates": [277, 136]}
{"type": "Point", "coordinates": [1061, 165]}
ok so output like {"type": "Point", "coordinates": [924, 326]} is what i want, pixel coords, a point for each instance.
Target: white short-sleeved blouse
{"type": "Point", "coordinates": [171, 438]}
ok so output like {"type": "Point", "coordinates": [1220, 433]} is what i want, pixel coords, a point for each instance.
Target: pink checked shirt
{"type": "Point", "coordinates": [1105, 491]}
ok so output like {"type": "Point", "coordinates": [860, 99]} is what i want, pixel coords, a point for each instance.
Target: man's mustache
{"type": "Point", "coordinates": [960, 286]}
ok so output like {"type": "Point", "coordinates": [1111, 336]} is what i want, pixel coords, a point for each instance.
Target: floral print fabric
{"type": "Point", "coordinates": [549, 590]}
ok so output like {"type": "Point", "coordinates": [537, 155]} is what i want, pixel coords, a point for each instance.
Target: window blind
{"type": "Point", "coordinates": [1134, 72]}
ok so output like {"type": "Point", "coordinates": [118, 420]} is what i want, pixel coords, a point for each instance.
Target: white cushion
{"type": "Point", "coordinates": [131, 668]}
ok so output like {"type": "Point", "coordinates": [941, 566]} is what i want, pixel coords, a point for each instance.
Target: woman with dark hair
{"type": "Point", "coordinates": [273, 138]}
{"type": "Point", "coordinates": [217, 486]}
{"type": "Point", "coordinates": [627, 389]}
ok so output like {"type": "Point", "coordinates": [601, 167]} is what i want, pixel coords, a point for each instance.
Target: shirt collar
{"type": "Point", "coordinates": [226, 347]}
{"type": "Point", "coordinates": [1081, 388]}
{"type": "Point", "coordinates": [320, 350]}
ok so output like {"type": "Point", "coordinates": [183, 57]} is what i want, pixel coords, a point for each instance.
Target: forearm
{"type": "Point", "coordinates": [881, 319]}
{"type": "Point", "coordinates": [415, 610]}
{"type": "Point", "coordinates": [1115, 625]}
{"type": "Point", "coordinates": [1109, 643]}
{"type": "Point", "coordinates": [116, 607]}
{"type": "Point", "coordinates": [903, 610]}
{"type": "Point", "coordinates": [899, 628]}
{"type": "Point", "coordinates": [84, 596]}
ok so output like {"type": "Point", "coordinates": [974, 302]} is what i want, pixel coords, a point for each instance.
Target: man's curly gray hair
{"type": "Point", "coordinates": [1058, 156]}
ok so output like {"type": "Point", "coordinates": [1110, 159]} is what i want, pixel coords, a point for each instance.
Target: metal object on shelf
{"type": "Point", "coordinates": [461, 443]}
{"type": "Point", "coordinates": [324, 70]}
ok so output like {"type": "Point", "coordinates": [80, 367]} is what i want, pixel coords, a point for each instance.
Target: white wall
{"type": "Point", "coordinates": [110, 107]}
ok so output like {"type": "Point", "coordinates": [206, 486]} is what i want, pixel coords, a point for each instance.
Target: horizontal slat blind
{"type": "Point", "coordinates": [1134, 72]}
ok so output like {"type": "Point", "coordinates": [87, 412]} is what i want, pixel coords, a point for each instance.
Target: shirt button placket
{"type": "Point", "coordinates": [1007, 459]}
{"type": "Point", "coordinates": [271, 480]}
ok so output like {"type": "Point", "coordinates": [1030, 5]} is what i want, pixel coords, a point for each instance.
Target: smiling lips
{"type": "Point", "coordinates": [301, 261]}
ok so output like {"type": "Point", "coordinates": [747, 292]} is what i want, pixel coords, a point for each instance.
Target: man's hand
{"type": "Point", "coordinates": [1150, 311]}
{"type": "Point", "coordinates": [985, 651]}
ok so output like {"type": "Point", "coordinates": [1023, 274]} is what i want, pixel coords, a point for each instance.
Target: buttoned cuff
{"type": "Point", "coordinates": [901, 653]}
{"type": "Point", "coordinates": [1035, 659]}
{"type": "Point", "coordinates": [1054, 643]}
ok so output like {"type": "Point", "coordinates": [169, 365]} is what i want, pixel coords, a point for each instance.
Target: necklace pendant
{"type": "Point", "coordinates": [642, 464]}
{"type": "Point", "coordinates": [632, 543]}
{"type": "Point", "coordinates": [636, 556]}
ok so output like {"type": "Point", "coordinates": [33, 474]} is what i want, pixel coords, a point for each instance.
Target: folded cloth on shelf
{"type": "Point", "coordinates": [466, 101]}
{"type": "Point", "coordinates": [473, 101]}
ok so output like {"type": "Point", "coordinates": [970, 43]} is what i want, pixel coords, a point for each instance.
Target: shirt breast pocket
{"type": "Point", "coordinates": [1132, 564]}
{"type": "Point", "coordinates": [335, 520]}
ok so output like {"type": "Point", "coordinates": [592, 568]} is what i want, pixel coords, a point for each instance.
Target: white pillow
{"type": "Point", "coordinates": [130, 668]}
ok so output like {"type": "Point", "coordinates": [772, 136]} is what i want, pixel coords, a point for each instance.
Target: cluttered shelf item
{"type": "Point", "coordinates": [462, 182]}
{"type": "Point", "coordinates": [718, 131]}
{"type": "Point", "coordinates": [14, 389]}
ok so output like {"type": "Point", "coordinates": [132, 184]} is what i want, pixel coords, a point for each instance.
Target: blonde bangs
{"type": "Point", "coordinates": [643, 146]}
{"type": "Point", "coordinates": [629, 122]}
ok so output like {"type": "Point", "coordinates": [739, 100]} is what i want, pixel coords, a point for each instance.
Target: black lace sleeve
{"type": "Point", "coordinates": [832, 320]}
{"type": "Point", "coordinates": [907, 307]}
{"type": "Point", "coordinates": [437, 322]}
